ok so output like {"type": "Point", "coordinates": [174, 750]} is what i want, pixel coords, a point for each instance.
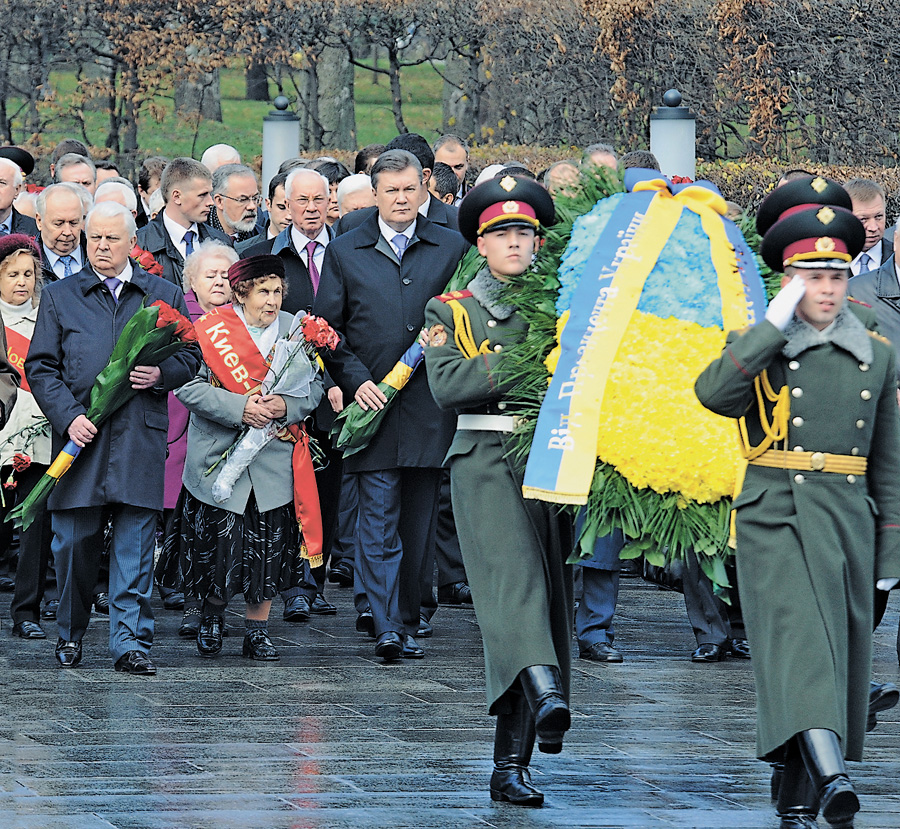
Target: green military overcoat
{"type": "Point", "coordinates": [811, 544]}
{"type": "Point", "coordinates": [514, 549]}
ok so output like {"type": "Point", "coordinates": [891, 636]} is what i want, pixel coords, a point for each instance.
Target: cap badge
{"type": "Point", "coordinates": [511, 207]}
{"type": "Point", "coordinates": [825, 243]}
{"type": "Point", "coordinates": [818, 184]}
{"type": "Point", "coordinates": [508, 183]}
{"type": "Point", "coordinates": [825, 215]}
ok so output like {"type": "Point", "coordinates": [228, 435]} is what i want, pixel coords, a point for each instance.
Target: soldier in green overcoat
{"type": "Point", "coordinates": [514, 550]}
{"type": "Point", "coordinates": [818, 517]}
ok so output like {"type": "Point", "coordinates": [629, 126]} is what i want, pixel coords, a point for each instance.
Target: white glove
{"type": "Point", "coordinates": [886, 584]}
{"type": "Point", "coordinates": [781, 308]}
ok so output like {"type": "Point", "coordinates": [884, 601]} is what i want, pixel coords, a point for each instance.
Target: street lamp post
{"type": "Point", "coordinates": [673, 137]}
{"type": "Point", "coordinates": [280, 139]}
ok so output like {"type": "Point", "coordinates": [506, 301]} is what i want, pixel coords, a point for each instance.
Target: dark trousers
{"type": "Point", "coordinates": [599, 592]}
{"type": "Point", "coordinates": [343, 548]}
{"type": "Point", "coordinates": [34, 550]}
{"type": "Point", "coordinates": [450, 567]}
{"type": "Point", "coordinates": [397, 518]}
{"type": "Point", "coordinates": [713, 621]}
{"type": "Point", "coordinates": [77, 548]}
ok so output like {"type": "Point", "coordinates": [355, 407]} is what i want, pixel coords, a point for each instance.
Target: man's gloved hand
{"type": "Point", "coordinates": [886, 584]}
{"type": "Point", "coordinates": [781, 308]}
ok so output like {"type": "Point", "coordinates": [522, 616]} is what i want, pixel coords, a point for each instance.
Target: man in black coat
{"type": "Point", "coordinates": [119, 470]}
{"type": "Point", "coordinates": [179, 227]}
{"type": "Point", "coordinates": [60, 210]}
{"type": "Point", "coordinates": [375, 284]}
{"type": "Point", "coordinates": [15, 164]}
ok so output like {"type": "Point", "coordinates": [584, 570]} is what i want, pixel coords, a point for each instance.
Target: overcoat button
{"type": "Point", "coordinates": [793, 365]}
{"type": "Point", "coordinates": [407, 281]}
{"type": "Point", "coordinates": [798, 448]}
{"type": "Point", "coordinates": [863, 366]}
{"type": "Point", "coordinates": [797, 421]}
{"type": "Point", "coordinates": [865, 394]}
{"type": "Point", "coordinates": [410, 328]}
{"type": "Point", "coordinates": [851, 479]}
{"type": "Point", "coordinates": [860, 424]}
{"type": "Point", "coordinates": [498, 348]}
{"type": "Point", "coordinates": [797, 392]}
{"type": "Point", "coordinates": [799, 479]}
{"type": "Point", "coordinates": [501, 406]}
{"type": "Point", "coordinates": [854, 450]}
{"type": "Point", "coordinates": [492, 323]}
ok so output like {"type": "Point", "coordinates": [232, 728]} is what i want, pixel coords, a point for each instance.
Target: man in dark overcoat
{"type": "Point", "coordinates": [121, 466]}
{"type": "Point", "coordinates": [375, 283]}
{"type": "Point", "coordinates": [818, 516]}
{"type": "Point", "coordinates": [181, 225]}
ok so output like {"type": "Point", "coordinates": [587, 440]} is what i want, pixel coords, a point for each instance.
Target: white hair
{"type": "Point", "coordinates": [353, 184]}
{"type": "Point", "coordinates": [18, 178]}
{"type": "Point", "coordinates": [117, 187]}
{"type": "Point", "coordinates": [87, 201]}
{"type": "Point", "coordinates": [210, 249]}
{"type": "Point", "coordinates": [219, 154]}
{"type": "Point", "coordinates": [488, 173]}
{"type": "Point", "coordinates": [304, 171]}
{"type": "Point", "coordinates": [109, 210]}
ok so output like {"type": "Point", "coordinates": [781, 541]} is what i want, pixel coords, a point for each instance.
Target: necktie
{"type": "Point", "coordinates": [313, 270]}
{"type": "Point", "coordinates": [400, 242]}
{"type": "Point", "coordinates": [4, 231]}
{"type": "Point", "coordinates": [189, 243]}
{"type": "Point", "coordinates": [864, 261]}
{"type": "Point", "coordinates": [113, 282]}
{"type": "Point", "coordinates": [68, 264]}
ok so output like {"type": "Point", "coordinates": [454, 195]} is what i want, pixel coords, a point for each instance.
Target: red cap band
{"type": "Point", "coordinates": [507, 211]}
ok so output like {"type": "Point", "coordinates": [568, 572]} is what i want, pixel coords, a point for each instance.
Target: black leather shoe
{"type": "Point", "coordinates": [458, 593]}
{"type": "Point", "coordinates": [136, 663]}
{"type": "Point", "coordinates": [101, 604]}
{"type": "Point", "coordinates": [601, 652]}
{"type": "Point", "coordinates": [341, 574]}
{"type": "Point", "coordinates": [425, 630]}
{"type": "Point", "coordinates": [209, 636]}
{"type": "Point", "coordinates": [881, 698]}
{"type": "Point", "coordinates": [7, 585]}
{"type": "Point", "coordinates": [322, 607]}
{"type": "Point", "coordinates": [296, 609]}
{"type": "Point", "coordinates": [411, 649]}
{"type": "Point", "coordinates": [512, 784]}
{"type": "Point", "coordinates": [190, 623]}
{"type": "Point", "coordinates": [365, 623]}
{"type": "Point", "coordinates": [259, 647]}
{"type": "Point", "coordinates": [709, 653]}
{"type": "Point", "coordinates": [389, 646]}
{"type": "Point", "coordinates": [48, 614]}
{"type": "Point", "coordinates": [28, 630]}
{"type": "Point", "coordinates": [68, 654]}
{"type": "Point", "coordinates": [739, 649]}
{"type": "Point", "coordinates": [798, 821]}
{"type": "Point", "coordinates": [174, 601]}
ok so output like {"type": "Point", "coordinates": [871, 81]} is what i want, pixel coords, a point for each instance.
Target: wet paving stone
{"type": "Point", "coordinates": [331, 738]}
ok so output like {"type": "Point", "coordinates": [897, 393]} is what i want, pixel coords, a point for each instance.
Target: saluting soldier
{"type": "Point", "coordinates": [514, 550]}
{"type": "Point", "coordinates": [818, 517]}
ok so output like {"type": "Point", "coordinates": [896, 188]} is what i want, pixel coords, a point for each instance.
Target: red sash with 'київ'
{"type": "Point", "coordinates": [233, 358]}
{"type": "Point", "coordinates": [16, 351]}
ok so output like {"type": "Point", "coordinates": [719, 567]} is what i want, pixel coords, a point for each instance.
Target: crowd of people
{"type": "Point", "coordinates": [430, 511]}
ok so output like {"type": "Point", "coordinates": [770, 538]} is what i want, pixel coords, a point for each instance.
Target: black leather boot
{"type": "Point", "coordinates": [543, 690]}
{"type": "Point", "coordinates": [824, 760]}
{"type": "Point", "coordinates": [513, 743]}
{"type": "Point", "coordinates": [775, 782]}
{"type": "Point", "coordinates": [797, 804]}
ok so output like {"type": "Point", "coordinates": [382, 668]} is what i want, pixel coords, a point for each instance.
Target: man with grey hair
{"type": "Point", "coordinates": [375, 284]}
{"type": "Point", "coordinates": [235, 191]}
{"type": "Point", "coordinates": [59, 213]}
{"type": "Point", "coordinates": [119, 472]}
{"type": "Point", "coordinates": [218, 155]}
{"type": "Point", "coordinates": [11, 178]}
{"type": "Point", "coordinates": [601, 155]}
{"type": "Point", "coordinates": [181, 225]}
{"type": "Point", "coordinates": [118, 190]}
{"type": "Point", "coordinates": [77, 169]}
{"type": "Point", "coordinates": [355, 193]}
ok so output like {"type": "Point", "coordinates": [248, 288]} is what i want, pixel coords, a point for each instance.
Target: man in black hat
{"type": "Point", "coordinates": [514, 550]}
{"type": "Point", "coordinates": [818, 517]}
{"type": "Point", "coordinates": [15, 164]}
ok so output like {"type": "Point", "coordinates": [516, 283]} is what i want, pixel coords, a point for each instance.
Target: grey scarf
{"type": "Point", "coordinates": [489, 291]}
{"type": "Point", "coordinates": [846, 332]}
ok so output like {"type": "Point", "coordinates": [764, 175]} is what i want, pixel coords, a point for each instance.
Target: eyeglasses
{"type": "Point", "coordinates": [303, 201]}
{"type": "Point", "coordinates": [244, 200]}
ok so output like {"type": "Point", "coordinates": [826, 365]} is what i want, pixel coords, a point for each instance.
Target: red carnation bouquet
{"type": "Point", "coordinates": [146, 260]}
{"type": "Point", "coordinates": [152, 335]}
